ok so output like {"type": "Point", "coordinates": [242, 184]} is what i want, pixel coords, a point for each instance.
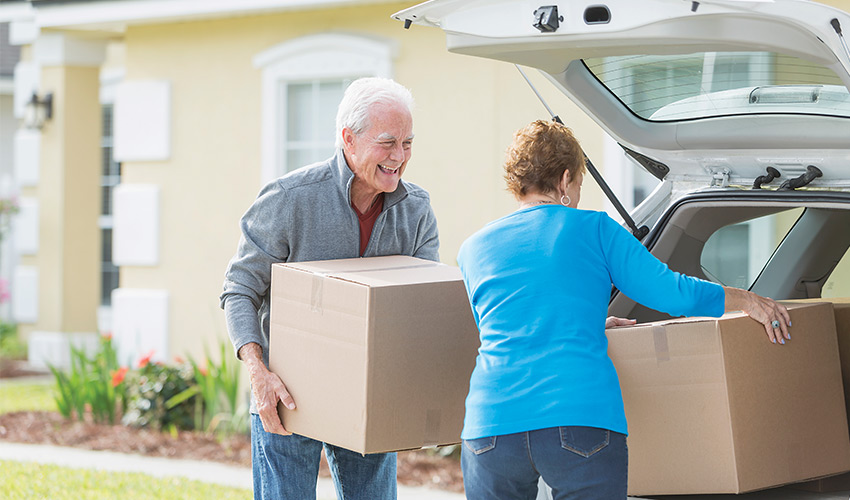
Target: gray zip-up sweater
{"type": "Point", "coordinates": [307, 215]}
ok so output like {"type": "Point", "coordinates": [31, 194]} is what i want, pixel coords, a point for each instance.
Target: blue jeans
{"type": "Point", "coordinates": [579, 463]}
{"type": "Point", "coordinates": [287, 467]}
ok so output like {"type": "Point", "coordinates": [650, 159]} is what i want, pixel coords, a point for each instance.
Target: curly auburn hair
{"type": "Point", "coordinates": [538, 156]}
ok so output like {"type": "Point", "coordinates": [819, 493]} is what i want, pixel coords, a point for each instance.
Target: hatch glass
{"type": "Point", "coordinates": [710, 84]}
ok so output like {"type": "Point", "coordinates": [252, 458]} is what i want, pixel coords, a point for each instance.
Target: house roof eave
{"type": "Point", "coordinates": [115, 15]}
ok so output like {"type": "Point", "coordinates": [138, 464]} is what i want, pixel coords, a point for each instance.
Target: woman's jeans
{"type": "Point", "coordinates": [287, 467]}
{"type": "Point", "coordinates": [576, 462]}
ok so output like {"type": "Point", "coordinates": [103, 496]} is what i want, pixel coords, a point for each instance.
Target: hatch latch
{"type": "Point", "coordinates": [720, 177]}
{"type": "Point", "coordinates": [546, 19]}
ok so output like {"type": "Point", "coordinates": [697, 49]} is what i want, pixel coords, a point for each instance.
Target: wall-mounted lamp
{"type": "Point", "coordinates": [38, 111]}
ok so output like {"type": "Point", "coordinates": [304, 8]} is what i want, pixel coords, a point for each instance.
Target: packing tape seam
{"type": "Point", "coordinates": [662, 348]}
{"type": "Point", "coordinates": [317, 292]}
{"type": "Point", "coordinates": [432, 428]}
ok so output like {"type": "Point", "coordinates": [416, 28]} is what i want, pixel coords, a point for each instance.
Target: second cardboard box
{"type": "Point", "coordinates": [713, 407]}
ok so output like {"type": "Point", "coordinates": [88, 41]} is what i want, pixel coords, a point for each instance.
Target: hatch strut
{"type": "Point", "coordinates": [836, 25]}
{"type": "Point", "coordinates": [638, 232]}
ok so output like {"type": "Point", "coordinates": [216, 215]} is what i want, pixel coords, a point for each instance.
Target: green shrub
{"type": "Point", "coordinates": [11, 346]}
{"type": "Point", "coordinates": [185, 396]}
{"type": "Point", "coordinates": [216, 390]}
{"type": "Point", "coordinates": [219, 385]}
{"type": "Point", "coordinates": [91, 385]}
{"type": "Point", "coordinates": [148, 390]}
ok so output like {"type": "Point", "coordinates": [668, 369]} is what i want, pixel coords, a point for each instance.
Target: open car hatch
{"type": "Point", "coordinates": [715, 92]}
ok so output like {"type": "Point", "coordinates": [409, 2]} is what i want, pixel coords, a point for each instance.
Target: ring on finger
{"type": "Point", "coordinates": [775, 324]}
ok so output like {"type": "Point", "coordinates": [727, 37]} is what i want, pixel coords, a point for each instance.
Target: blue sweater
{"type": "Point", "coordinates": [539, 282]}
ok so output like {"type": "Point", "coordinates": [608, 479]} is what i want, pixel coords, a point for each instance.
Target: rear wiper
{"type": "Point", "coordinates": [638, 232]}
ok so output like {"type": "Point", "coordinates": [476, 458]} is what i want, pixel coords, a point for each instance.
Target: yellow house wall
{"type": "Point", "coordinates": [838, 4]}
{"type": "Point", "coordinates": [68, 194]}
{"type": "Point", "coordinates": [467, 110]}
{"type": "Point", "coordinates": [82, 249]}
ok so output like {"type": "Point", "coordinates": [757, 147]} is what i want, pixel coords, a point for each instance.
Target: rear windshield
{"type": "Point", "coordinates": [689, 86]}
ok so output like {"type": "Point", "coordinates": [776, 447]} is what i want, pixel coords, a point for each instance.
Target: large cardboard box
{"type": "Point", "coordinates": [713, 407]}
{"type": "Point", "coordinates": [841, 482]}
{"type": "Point", "coordinates": [841, 310]}
{"type": "Point", "coordinates": [377, 352]}
{"type": "Point", "coordinates": [842, 324]}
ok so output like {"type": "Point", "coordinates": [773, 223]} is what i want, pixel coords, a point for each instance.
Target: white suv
{"type": "Point", "coordinates": [739, 107]}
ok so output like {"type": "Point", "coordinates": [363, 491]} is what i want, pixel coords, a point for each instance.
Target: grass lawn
{"type": "Point", "coordinates": [26, 395]}
{"type": "Point", "coordinates": [25, 481]}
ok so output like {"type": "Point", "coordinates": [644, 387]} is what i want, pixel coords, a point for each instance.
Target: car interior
{"type": "Point", "coordinates": [780, 245]}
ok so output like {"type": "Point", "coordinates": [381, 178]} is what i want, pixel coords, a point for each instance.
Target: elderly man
{"type": "Point", "coordinates": [353, 204]}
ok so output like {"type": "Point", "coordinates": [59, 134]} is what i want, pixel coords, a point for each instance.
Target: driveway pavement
{"type": "Point", "coordinates": [238, 477]}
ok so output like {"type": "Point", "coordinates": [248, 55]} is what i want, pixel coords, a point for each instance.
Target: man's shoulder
{"type": "Point", "coordinates": [309, 175]}
{"type": "Point", "coordinates": [416, 191]}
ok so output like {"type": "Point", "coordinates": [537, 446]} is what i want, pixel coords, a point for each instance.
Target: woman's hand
{"type": "Point", "coordinates": [613, 321]}
{"type": "Point", "coordinates": [773, 315]}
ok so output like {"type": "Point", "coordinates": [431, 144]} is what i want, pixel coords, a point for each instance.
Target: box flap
{"type": "Point", "coordinates": [689, 319]}
{"type": "Point", "coordinates": [390, 270]}
{"type": "Point", "coordinates": [838, 302]}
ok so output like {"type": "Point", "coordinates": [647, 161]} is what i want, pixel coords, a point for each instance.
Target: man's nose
{"type": "Point", "coordinates": [397, 152]}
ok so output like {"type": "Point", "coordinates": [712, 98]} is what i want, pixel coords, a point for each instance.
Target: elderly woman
{"type": "Point", "coordinates": [544, 398]}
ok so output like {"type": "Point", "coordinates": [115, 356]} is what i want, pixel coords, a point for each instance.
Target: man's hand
{"type": "Point", "coordinates": [613, 321]}
{"type": "Point", "coordinates": [267, 388]}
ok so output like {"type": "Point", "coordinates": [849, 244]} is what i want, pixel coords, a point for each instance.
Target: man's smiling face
{"type": "Point", "coordinates": [379, 154]}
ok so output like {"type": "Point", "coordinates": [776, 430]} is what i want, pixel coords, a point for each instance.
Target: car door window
{"type": "Point", "coordinates": [735, 255]}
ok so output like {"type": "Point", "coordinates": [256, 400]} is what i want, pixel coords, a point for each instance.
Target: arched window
{"type": "Point", "coordinates": [303, 83]}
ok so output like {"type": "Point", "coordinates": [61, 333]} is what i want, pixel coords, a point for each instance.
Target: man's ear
{"type": "Point", "coordinates": [347, 138]}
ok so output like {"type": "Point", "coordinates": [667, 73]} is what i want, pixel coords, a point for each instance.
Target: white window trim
{"type": "Point", "coordinates": [326, 55]}
{"type": "Point", "coordinates": [110, 79]}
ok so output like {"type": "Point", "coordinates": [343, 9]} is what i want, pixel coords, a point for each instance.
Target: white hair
{"type": "Point", "coordinates": [360, 96]}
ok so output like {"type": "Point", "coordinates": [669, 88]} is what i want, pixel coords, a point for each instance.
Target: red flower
{"type": "Point", "coordinates": [179, 360]}
{"type": "Point", "coordinates": [204, 371]}
{"type": "Point", "coordinates": [145, 359]}
{"type": "Point", "coordinates": [118, 376]}
{"type": "Point", "coordinates": [107, 336]}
